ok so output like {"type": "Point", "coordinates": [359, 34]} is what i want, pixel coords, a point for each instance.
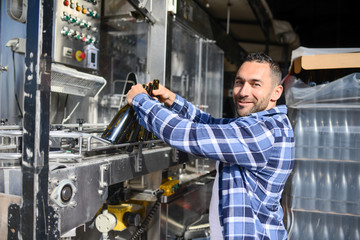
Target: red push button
{"type": "Point", "coordinates": [79, 55]}
{"type": "Point", "coordinates": [82, 55]}
{"type": "Point", "coordinates": [66, 3]}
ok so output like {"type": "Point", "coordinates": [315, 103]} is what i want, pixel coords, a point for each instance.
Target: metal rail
{"type": "Point", "coordinates": [90, 141]}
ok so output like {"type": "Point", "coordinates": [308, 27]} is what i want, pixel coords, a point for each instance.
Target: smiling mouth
{"type": "Point", "coordinates": [244, 102]}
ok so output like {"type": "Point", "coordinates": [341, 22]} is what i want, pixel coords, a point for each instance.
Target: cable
{"type": "Point", "coordinates": [148, 217]}
{"type": "Point", "coordinates": [65, 106]}
{"type": "Point", "coordinates": [68, 117]}
{"type": "Point", "coordinates": [16, 97]}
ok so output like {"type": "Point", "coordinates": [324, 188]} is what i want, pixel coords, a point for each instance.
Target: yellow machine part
{"type": "Point", "coordinates": [169, 187]}
{"type": "Point", "coordinates": [119, 211]}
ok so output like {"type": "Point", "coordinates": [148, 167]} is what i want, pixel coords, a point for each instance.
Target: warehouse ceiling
{"type": "Point", "coordinates": [280, 26]}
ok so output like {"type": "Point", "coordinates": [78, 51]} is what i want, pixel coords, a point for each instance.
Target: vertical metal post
{"type": "Point", "coordinates": [199, 77]}
{"type": "Point", "coordinates": [156, 70]}
{"type": "Point", "coordinates": [35, 213]}
{"type": "Point", "coordinates": [206, 80]}
{"type": "Point", "coordinates": [228, 18]}
{"type": "Point", "coordinates": [157, 43]}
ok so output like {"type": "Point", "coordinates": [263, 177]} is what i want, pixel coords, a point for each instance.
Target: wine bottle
{"type": "Point", "coordinates": [146, 135]}
{"type": "Point", "coordinates": [121, 125]}
{"type": "Point", "coordinates": [156, 84]}
{"type": "Point", "coordinates": [142, 133]}
{"type": "Point", "coordinates": [134, 135]}
{"type": "Point", "coordinates": [124, 127]}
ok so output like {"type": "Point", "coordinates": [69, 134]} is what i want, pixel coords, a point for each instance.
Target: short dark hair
{"type": "Point", "coordinates": [263, 58]}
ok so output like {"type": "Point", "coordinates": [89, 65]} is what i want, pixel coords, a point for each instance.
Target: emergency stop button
{"type": "Point", "coordinates": [80, 55]}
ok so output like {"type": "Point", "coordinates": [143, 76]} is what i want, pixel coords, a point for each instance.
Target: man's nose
{"type": "Point", "coordinates": [245, 89]}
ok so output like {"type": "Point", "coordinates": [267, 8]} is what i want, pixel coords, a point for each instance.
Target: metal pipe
{"type": "Point", "coordinates": [228, 18]}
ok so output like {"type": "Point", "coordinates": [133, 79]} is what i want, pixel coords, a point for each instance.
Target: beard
{"type": "Point", "coordinates": [258, 106]}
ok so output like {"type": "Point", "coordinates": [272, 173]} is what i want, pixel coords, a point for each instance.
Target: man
{"type": "Point", "coordinates": [255, 152]}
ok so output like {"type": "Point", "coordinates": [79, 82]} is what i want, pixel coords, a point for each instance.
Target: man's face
{"type": "Point", "coordinates": [253, 88]}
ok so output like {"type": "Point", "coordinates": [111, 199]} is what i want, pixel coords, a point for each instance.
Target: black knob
{"type": "Point", "coordinates": [3, 121]}
{"type": "Point", "coordinates": [131, 219]}
{"type": "Point", "coordinates": [80, 120]}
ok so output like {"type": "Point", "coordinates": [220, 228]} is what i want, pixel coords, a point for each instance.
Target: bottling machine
{"type": "Point", "coordinates": [65, 68]}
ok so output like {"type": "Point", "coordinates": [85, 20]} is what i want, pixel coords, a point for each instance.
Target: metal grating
{"type": "Point", "coordinates": [70, 81]}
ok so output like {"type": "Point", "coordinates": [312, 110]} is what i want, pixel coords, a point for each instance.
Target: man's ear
{"type": "Point", "coordinates": [277, 93]}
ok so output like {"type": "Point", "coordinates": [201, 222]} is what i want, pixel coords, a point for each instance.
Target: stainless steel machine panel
{"type": "Point", "coordinates": [196, 69]}
{"type": "Point", "coordinates": [76, 32]}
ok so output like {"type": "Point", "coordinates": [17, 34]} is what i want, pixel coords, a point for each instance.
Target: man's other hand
{"type": "Point", "coordinates": [135, 90]}
{"type": "Point", "coordinates": [164, 95]}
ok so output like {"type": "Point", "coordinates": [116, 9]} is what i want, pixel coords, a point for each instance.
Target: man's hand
{"type": "Point", "coordinates": [135, 90]}
{"type": "Point", "coordinates": [164, 95]}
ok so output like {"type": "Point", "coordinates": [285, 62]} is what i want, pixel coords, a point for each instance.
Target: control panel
{"type": "Point", "coordinates": [76, 32]}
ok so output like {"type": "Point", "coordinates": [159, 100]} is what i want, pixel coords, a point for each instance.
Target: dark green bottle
{"type": "Point", "coordinates": [121, 125]}
{"type": "Point", "coordinates": [125, 127]}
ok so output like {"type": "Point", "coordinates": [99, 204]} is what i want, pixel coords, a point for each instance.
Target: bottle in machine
{"type": "Point", "coordinates": [143, 134]}
{"type": "Point", "coordinates": [121, 125]}
{"type": "Point", "coordinates": [124, 127]}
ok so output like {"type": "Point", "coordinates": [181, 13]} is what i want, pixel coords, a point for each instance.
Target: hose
{"type": "Point", "coordinates": [16, 96]}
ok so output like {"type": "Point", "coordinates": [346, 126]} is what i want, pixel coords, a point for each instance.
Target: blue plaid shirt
{"type": "Point", "coordinates": [256, 154]}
